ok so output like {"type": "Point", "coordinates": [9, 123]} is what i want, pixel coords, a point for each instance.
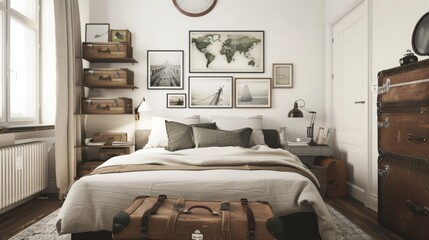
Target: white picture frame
{"type": "Point", "coordinates": [97, 32]}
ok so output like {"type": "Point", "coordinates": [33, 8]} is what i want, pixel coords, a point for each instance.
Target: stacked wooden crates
{"type": "Point", "coordinates": [117, 50]}
{"type": "Point", "coordinates": [403, 119]}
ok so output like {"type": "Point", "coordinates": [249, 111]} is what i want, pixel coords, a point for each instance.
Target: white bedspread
{"type": "Point", "coordinates": [94, 200]}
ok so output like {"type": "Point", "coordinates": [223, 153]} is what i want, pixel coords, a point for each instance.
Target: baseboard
{"type": "Point", "coordinates": [356, 192]}
{"type": "Point", "coordinates": [360, 195]}
{"type": "Point", "coordinates": [372, 202]}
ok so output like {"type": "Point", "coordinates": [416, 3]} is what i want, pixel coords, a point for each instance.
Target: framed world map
{"type": "Point", "coordinates": [226, 51]}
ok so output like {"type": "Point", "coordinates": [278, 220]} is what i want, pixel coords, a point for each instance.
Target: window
{"type": "Point", "coordinates": [19, 81]}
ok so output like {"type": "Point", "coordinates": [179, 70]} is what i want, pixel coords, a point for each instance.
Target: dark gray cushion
{"type": "Point", "coordinates": [221, 138]}
{"type": "Point", "coordinates": [180, 135]}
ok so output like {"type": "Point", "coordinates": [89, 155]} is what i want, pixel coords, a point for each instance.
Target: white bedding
{"type": "Point", "coordinates": [94, 200]}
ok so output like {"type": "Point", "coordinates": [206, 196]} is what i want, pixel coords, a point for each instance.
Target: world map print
{"type": "Point", "coordinates": [229, 51]}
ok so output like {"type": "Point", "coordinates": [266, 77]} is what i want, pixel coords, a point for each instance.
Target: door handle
{"type": "Point", "coordinates": [360, 102]}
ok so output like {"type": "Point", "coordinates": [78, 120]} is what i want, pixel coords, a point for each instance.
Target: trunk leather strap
{"type": "Point", "coordinates": [251, 225]}
{"type": "Point", "coordinates": [226, 219]}
{"type": "Point", "coordinates": [178, 207]}
{"type": "Point", "coordinates": [144, 224]}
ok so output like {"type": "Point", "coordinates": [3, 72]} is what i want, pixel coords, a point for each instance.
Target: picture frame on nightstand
{"type": "Point", "coordinates": [323, 137]}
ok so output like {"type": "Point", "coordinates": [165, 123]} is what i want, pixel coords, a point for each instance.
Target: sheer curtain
{"type": "Point", "coordinates": [69, 69]}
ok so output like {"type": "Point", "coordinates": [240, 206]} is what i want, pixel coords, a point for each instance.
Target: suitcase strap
{"type": "Point", "coordinates": [122, 218]}
{"type": "Point", "coordinates": [144, 224]}
{"type": "Point", "coordinates": [251, 225]}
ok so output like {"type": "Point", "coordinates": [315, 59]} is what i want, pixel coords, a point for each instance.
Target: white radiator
{"type": "Point", "coordinates": [23, 172]}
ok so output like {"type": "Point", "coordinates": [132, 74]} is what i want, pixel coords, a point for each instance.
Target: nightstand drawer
{"type": "Point", "coordinates": [310, 150]}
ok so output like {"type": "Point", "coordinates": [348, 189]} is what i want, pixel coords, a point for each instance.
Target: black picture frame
{"type": "Point", "coordinates": [97, 32]}
{"type": "Point", "coordinates": [210, 92]}
{"type": "Point", "coordinates": [176, 100]}
{"type": "Point", "coordinates": [203, 59]}
{"type": "Point", "coordinates": [165, 69]}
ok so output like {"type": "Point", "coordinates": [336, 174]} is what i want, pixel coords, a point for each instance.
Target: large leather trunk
{"type": "Point", "coordinates": [403, 120]}
{"type": "Point", "coordinates": [163, 218]}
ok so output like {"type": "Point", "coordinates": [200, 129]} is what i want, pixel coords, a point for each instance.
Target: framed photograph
{"type": "Point", "coordinates": [164, 69]}
{"type": "Point", "coordinates": [253, 92]}
{"type": "Point", "coordinates": [97, 32]}
{"type": "Point", "coordinates": [226, 51]}
{"type": "Point", "coordinates": [323, 136]}
{"type": "Point", "coordinates": [210, 92]}
{"type": "Point", "coordinates": [122, 35]}
{"type": "Point", "coordinates": [176, 100]}
{"type": "Point", "coordinates": [282, 75]}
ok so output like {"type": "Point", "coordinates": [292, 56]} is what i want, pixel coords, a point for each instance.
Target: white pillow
{"type": "Point", "coordinates": [158, 135]}
{"type": "Point", "coordinates": [232, 123]}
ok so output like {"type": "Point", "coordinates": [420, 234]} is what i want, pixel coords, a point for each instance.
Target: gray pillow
{"type": "Point", "coordinates": [221, 138]}
{"type": "Point", "coordinates": [180, 135]}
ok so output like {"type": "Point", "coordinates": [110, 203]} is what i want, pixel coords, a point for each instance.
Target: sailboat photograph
{"type": "Point", "coordinates": [246, 96]}
{"type": "Point", "coordinates": [253, 92]}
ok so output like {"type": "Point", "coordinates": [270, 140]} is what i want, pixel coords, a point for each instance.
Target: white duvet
{"type": "Point", "coordinates": [94, 200]}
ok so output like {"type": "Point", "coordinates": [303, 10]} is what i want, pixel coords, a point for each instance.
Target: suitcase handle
{"type": "Point", "coordinates": [417, 209]}
{"type": "Point", "coordinates": [171, 223]}
{"type": "Point", "coordinates": [188, 211]}
{"type": "Point", "coordinates": [103, 51]}
{"type": "Point", "coordinates": [102, 78]}
{"type": "Point", "coordinates": [416, 139]}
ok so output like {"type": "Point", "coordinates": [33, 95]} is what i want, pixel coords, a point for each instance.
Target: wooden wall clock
{"type": "Point", "coordinates": [194, 8]}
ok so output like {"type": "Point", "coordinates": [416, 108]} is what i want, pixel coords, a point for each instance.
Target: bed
{"type": "Point", "coordinates": [93, 200]}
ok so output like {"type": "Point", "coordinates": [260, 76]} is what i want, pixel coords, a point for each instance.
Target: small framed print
{"type": "Point", "coordinates": [165, 69]}
{"type": "Point", "coordinates": [120, 36]}
{"type": "Point", "coordinates": [283, 75]}
{"type": "Point", "coordinates": [97, 32]}
{"type": "Point", "coordinates": [253, 92]}
{"type": "Point", "coordinates": [210, 92]}
{"type": "Point", "coordinates": [176, 100]}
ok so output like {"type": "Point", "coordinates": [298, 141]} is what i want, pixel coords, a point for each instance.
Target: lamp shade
{"type": "Point", "coordinates": [144, 107]}
{"type": "Point", "coordinates": [295, 112]}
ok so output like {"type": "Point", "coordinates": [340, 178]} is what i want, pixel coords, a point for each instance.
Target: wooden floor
{"type": "Point", "coordinates": [17, 219]}
{"type": "Point", "coordinates": [363, 217]}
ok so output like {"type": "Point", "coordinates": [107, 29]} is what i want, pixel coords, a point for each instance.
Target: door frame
{"type": "Point", "coordinates": [371, 196]}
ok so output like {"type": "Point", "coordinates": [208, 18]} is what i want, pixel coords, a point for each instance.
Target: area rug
{"type": "Point", "coordinates": [45, 229]}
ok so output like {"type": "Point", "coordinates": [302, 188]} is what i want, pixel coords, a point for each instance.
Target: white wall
{"type": "Point", "coordinates": [391, 27]}
{"type": "Point", "coordinates": [294, 33]}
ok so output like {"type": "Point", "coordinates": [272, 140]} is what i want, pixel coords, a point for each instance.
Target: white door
{"type": "Point", "coordinates": [350, 97]}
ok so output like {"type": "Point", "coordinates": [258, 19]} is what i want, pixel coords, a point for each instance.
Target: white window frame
{"type": "Point", "coordinates": [9, 13]}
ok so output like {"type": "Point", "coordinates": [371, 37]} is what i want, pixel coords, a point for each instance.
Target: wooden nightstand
{"type": "Point", "coordinates": [307, 154]}
{"type": "Point", "coordinates": [330, 172]}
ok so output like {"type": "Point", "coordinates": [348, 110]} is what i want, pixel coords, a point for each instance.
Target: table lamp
{"type": "Point", "coordinates": [296, 113]}
{"type": "Point", "coordinates": [142, 107]}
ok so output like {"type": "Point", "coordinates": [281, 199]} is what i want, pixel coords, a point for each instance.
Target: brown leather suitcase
{"type": "Point", "coordinates": [335, 175]}
{"type": "Point", "coordinates": [164, 218]}
{"type": "Point", "coordinates": [403, 121]}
